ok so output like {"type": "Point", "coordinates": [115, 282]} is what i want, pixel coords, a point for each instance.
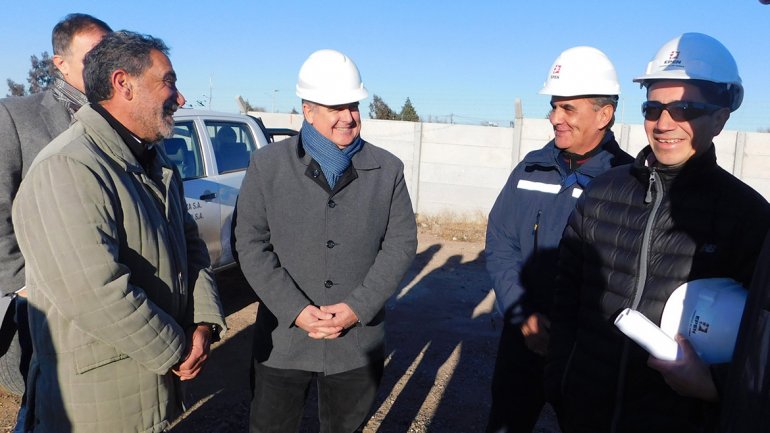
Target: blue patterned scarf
{"type": "Point", "coordinates": [333, 160]}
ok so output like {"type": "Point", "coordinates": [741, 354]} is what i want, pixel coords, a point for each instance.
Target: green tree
{"type": "Point", "coordinates": [40, 76]}
{"type": "Point", "coordinates": [15, 89]}
{"type": "Point", "coordinates": [250, 107]}
{"type": "Point", "coordinates": [408, 113]}
{"type": "Point", "coordinates": [378, 109]}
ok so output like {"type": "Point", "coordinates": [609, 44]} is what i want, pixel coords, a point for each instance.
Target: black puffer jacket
{"type": "Point", "coordinates": [636, 235]}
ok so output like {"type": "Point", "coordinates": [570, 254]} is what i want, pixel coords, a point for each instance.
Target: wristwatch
{"type": "Point", "coordinates": [214, 329]}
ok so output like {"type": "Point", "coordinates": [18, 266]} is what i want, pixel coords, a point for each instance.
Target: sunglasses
{"type": "Point", "coordinates": [680, 111]}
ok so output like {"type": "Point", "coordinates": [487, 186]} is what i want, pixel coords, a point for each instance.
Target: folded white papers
{"type": "Point", "coordinates": [648, 335]}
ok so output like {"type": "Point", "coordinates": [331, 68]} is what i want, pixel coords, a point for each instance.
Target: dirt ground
{"type": "Point", "coordinates": [442, 339]}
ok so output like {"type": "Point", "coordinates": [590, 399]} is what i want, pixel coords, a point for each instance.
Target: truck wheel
{"type": "Point", "coordinates": [11, 380]}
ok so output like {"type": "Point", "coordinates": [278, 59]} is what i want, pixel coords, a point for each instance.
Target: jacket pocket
{"type": "Point", "coordinates": [370, 340]}
{"type": "Point", "coordinates": [95, 355]}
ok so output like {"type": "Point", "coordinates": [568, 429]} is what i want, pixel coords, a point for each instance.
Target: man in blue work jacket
{"type": "Point", "coordinates": [527, 221]}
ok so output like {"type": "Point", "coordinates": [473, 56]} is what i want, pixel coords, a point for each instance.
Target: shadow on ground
{"type": "Point", "coordinates": [441, 346]}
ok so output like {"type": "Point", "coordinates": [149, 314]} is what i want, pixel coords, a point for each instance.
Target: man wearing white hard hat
{"type": "Point", "coordinates": [637, 234]}
{"type": "Point", "coordinates": [324, 232]}
{"type": "Point", "coordinates": [528, 218]}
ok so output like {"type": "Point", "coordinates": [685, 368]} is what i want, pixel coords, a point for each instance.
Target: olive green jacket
{"type": "Point", "coordinates": [116, 272]}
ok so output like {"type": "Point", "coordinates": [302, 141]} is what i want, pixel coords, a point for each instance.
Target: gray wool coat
{"type": "Point", "coordinates": [299, 243]}
{"type": "Point", "coordinates": [27, 124]}
{"type": "Point", "coordinates": [116, 273]}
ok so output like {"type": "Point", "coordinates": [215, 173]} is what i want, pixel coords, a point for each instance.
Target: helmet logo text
{"type": "Point", "coordinates": [556, 70]}
{"type": "Point", "coordinates": [673, 58]}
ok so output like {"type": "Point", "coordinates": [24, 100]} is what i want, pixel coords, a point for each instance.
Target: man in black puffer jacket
{"type": "Point", "coordinates": [638, 233]}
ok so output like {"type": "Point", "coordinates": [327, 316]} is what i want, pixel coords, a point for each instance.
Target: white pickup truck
{"type": "Point", "coordinates": [212, 151]}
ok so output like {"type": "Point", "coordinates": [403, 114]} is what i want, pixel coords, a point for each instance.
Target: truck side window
{"type": "Point", "coordinates": [233, 144]}
{"type": "Point", "coordinates": [184, 150]}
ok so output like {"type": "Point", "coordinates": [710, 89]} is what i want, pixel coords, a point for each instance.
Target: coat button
{"type": "Point", "coordinates": [316, 173]}
{"type": "Point", "coordinates": [328, 284]}
{"type": "Point", "coordinates": [330, 244]}
{"type": "Point", "coordinates": [332, 203]}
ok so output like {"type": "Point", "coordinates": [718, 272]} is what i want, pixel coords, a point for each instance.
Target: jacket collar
{"type": "Point", "coordinates": [143, 152]}
{"type": "Point", "coordinates": [706, 161]}
{"type": "Point", "coordinates": [55, 115]}
{"type": "Point", "coordinates": [110, 141]}
{"type": "Point", "coordinates": [547, 157]}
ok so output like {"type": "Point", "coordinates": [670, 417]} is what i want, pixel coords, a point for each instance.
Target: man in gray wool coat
{"type": "Point", "coordinates": [324, 234]}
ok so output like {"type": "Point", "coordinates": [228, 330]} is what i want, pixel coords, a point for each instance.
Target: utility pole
{"type": "Point", "coordinates": [211, 85]}
{"type": "Point", "coordinates": [274, 93]}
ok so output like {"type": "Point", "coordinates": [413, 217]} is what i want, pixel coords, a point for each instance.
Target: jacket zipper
{"type": "Point", "coordinates": [169, 231]}
{"type": "Point", "coordinates": [536, 228]}
{"type": "Point", "coordinates": [645, 252]}
{"type": "Point", "coordinates": [655, 186]}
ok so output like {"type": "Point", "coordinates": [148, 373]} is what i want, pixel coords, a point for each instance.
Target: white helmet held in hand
{"type": "Point", "coordinates": [581, 71]}
{"type": "Point", "coordinates": [695, 56]}
{"type": "Point", "coordinates": [329, 77]}
{"type": "Point", "coordinates": [708, 313]}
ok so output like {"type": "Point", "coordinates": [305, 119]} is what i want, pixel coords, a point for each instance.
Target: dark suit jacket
{"type": "Point", "coordinates": [27, 124]}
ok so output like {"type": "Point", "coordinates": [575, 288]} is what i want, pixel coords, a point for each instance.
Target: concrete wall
{"type": "Point", "coordinates": [461, 168]}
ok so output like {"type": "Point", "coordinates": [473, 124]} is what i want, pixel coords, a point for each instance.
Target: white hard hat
{"type": "Point", "coordinates": [581, 71]}
{"type": "Point", "coordinates": [329, 77]}
{"type": "Point", "coordinates": [695, 56]}
{"type": "Point", "coordinates": [708, 313]}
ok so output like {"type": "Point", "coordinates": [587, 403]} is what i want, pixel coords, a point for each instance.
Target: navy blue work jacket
{"type": "Point", "coordinates": [527, 221]}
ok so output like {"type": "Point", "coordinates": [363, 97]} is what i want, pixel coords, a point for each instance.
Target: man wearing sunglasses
{"type": "Point", "coordinates": [640, 231]}
{"type": "Point", "coordinates": [528, 218]}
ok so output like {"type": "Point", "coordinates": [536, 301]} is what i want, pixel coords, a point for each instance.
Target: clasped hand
{"type": "Point", "coordinates": [326, 321]}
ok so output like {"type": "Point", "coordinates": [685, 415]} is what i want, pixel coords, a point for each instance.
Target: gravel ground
{"type": "Point", "coordinates": [442, 340]}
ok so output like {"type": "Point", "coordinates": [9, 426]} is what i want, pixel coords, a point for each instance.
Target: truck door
{"type": "Point", "coordinates": [201, 193]}
{"type": "Point", "coordinates": [233, 143]}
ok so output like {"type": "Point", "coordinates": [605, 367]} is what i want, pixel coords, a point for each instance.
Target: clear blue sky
{"type": "Point", "coordinates": [470, 59]}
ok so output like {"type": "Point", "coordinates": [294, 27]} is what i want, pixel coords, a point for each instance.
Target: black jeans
{"type": "Point", "coordinates": [344, 399]}
{"type": "Point", "coordinates": [25, 341]}
{"type": "Point", "coordinates": [518, 395]}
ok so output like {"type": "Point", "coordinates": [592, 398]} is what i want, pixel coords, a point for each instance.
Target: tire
{"type": "Point", "coordinates": [11, 380]}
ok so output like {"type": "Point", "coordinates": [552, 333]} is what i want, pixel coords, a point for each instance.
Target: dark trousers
{"type": "Point", "coordinates": [344, 399]}
{"type": "Point", "coordinates": [517, 385]}
{"type": "Point", "coordinates": [25, 341]}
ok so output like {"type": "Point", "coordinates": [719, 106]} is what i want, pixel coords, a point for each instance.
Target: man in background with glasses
{"type": "Point", "coordinates": [638, 233]}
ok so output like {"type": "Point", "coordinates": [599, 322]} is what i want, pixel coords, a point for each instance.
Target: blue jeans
{"type": "Point", "coordinates": [344, 399]}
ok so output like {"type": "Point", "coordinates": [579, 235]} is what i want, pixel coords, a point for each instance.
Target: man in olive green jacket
{"type": "Point", "coordinates": [121, 296]}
